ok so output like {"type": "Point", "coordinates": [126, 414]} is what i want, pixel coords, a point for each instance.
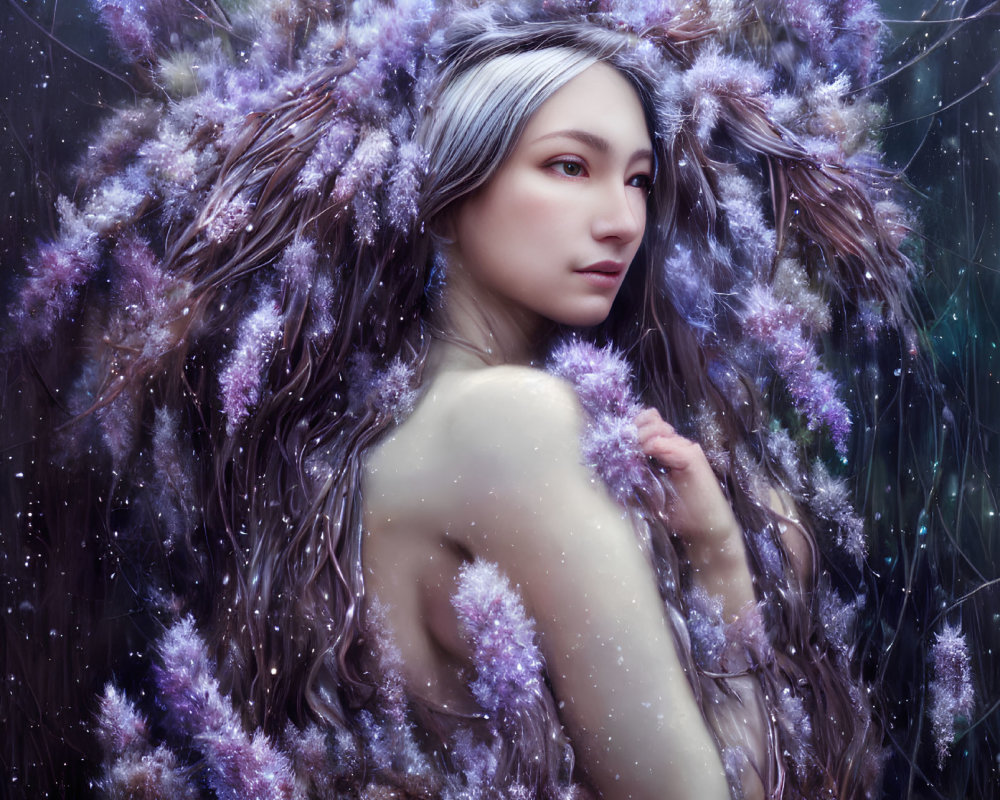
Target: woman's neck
{"type": "Point", "coordinates": [475, 328]}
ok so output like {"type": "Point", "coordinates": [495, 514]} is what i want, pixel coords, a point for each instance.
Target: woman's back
{"type": "Point", "coordinates": [489, 466]}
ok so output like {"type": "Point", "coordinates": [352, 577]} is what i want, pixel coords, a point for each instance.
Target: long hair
{"type": "Point", "coordinates": [259, 331]}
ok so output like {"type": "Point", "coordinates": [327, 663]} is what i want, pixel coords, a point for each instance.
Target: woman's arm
{"type": "Point", "coordinates": [701, 515]}
{"type": "Point", "coordinates": [530, 505]}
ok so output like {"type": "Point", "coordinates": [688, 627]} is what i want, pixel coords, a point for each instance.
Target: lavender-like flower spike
{"type": "Point", "coordinates": [240, 766]}
{"type": "Point", "coordinates": [327, 156]}
{"type": "Point", "coordinates": [240, 380]}
{"type": "Point", "coordinates": [831, 500]}
{"type": "Point", "coordinates": [120, 728]}
{"type": "Point", "coordinates": [706, 628]}
{"type": "Point", "coordinates": [404, 186]}
{"type": "Point", "coordinates": [602, 379]}
{"type": "Point", "coordinates": [508, 662]}
{"type": "Point", "coordinates": [393, 390]}
{"type": "Point", "coordinates": [778, 325]}
{"type": "Point", "coordinates": [365, 166]}
{"type": "Point", "coordinates": [130, 30]}
{"type": "Point", "coordinates": [55, 272]}
{"type": "Point", "coordinates": [133, 768]}
{"type": "Point", "coordinates": [951, 689]}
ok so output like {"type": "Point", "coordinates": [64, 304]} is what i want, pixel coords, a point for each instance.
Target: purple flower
{"type": "Point", "coordinates": [809, 19]}
{"type": "Point", "coordinates": [327, 156]}
{"type": "Point", "coordinates": [226, 221]}
{"type": "Point", "coordinates": [240, 766]}
{"type": "Point", "coordinates": [601, 377]}
{"type": "Point", "coordinates": [150, 775]}
{"type": "Point", "coordinates": [129, 28]}
{"type": "Point", "coordinates": [715, 77]}
{"type": "Point", "coordinates": [951, 689]}
{"type": "Point", "coordinates": [298, 261]}
{"type": "Point", "coordinates": [611, 448]}
{"type": "Point", "coordinates": [54, 273]}
{"type": "Point", "coordinates": [132, 767]}
{"type": "Point", "coordinates": [120, 728]}
{"type": "Point", "coordinates": [747, 641]}
{"type": "Point", "coordinates": [508, 663]}
{"type": "Point", "coordinates": [241, 379]}
{"type": "Point", "coordinates": [778, 325]}
{"type": "Point", "coordinates": [404, 186]}
{"type": "Point", "coordinates": [743, 204]}
{"type": "Point", "coordinates": [392, 390]}
{"type": "Point", "coordinates": [798, 730]}
{"type": "Point", "coordinates": [706, 628]}
{"type": "Point", "coordinates": [831, 499]}
{"type": "Point", "coordinates": [365, 165]}
{"type": "Point", "coordinates": [837, 618]}
{"type": "Point", "coordinates": [476, 765]}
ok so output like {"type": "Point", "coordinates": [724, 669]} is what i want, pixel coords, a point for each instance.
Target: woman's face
{"type": "Point", "coordinates": [555, 229]}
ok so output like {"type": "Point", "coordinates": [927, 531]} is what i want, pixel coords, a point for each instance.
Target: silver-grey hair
{"type": "Point", "coordinates": [493, 81]}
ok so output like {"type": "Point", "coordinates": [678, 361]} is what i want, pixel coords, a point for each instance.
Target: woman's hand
{"type": "Point", "coordinates": [701, 514]}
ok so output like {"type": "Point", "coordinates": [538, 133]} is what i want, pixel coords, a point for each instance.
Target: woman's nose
{"type": "Point", "coordinates": [620, 214]}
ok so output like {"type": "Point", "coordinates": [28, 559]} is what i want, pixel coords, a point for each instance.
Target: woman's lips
{"type": "Point", "coordinates": [603, 274]}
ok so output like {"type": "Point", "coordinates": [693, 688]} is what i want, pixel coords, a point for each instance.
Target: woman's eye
{"type": "Point", "coordinates": [570, 169]}
{"type": "Point", "coordinates": [644, 182]}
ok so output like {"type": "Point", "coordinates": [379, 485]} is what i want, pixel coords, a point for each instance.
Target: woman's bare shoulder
{"type": "Point", "coordinates": [499, 411]}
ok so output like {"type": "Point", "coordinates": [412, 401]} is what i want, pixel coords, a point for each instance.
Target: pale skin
{"type": "Point", "coordinates": [489, 464]}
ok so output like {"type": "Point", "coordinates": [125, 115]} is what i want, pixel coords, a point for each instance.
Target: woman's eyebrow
{"type": "Point", "coordinates": [598, 143]}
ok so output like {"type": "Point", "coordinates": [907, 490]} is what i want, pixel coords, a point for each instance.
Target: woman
{"type": "Point", "coordinates": [378, 435]}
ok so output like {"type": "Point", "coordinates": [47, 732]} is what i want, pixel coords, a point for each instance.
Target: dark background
{"type": "Point", "coordinates": [926, 465]}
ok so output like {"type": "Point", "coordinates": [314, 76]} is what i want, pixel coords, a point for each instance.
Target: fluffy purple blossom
{"type": "Point", "coordinates": [507, 660]}
{"type": "Point", "coordinates": [55, 272]}
{"type": "Point", "coordinates": [298, 261]}
{"type": "Point", "coordinates": [778, 325]}
{"type": "Point", "coordinates": [837, 618]}
{"type": "Point", "coordinates": [748, 642]}
{"type": "Point", "coordinates": [744, 211]}
{"type": "Point", "coordinates": [404, 186]}
{"type": "Point", "coordinates": [640, 15]}
{"type": "Point", "coordinates": [118, 423]}
{"type": "Point", "coordinates": [797, 725]}
{"type": "Point", "coordinates": [857, 48]}
{"type": "Point", "coordinates": [811, 22]}
{"type": "Point", "coordinates": [241, 378]}
{"type": "Point", "coordinates": [133, 768]}
{"type": "Point", "coordinates": [476, 765]}
{"type": "Point", "coordinates": [365, 165]}
{"type": "Point", "coordinates": [327, 156]}
{"type": "Point", "coordinates": [120, 728]}
{"type": "Point", "coordinates": [715, 77]}
{"type": "Point", "coordinates": [951, 689]}
{"type": "Point", "coordinates": [393, 390]}
{"type": "Point", "coordinates": [602, 379]}
{"type": "Point", "coordinates": [611, 447]}
{"type": "Point", "coordinates": [601, 376]}
{"type": "Point", "coordinates": [129, 27]}
{"type": "Point", "coordinates": [706, 628]}
{"type": "Point", "coordinates": [768, 553]}
{"type": "Point", "coordinates": [229, 219]}
{"type": "Point", "coordinates": [240, 766]}
{"type": "Point", "coordinates": [171, 158]}
{"type": "Point", "coordinates": [831, 500]}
